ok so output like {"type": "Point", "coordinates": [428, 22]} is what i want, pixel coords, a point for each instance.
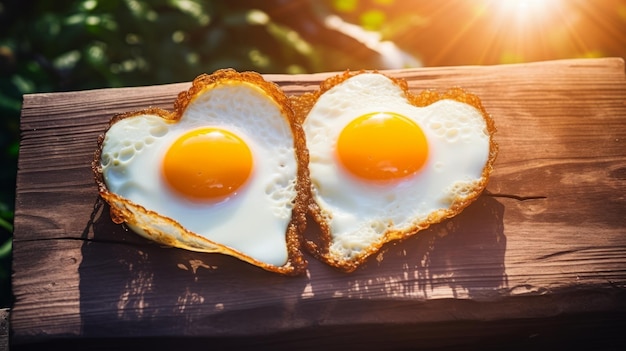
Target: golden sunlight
{"type": "Point", "coordinates": [525, 14]}
{"type": "Point", "coordinates": [460, 32]}
{"type": "Point", "coordinates": [524, 7]}
{"type": "Point", "coordinates": [524, 28]}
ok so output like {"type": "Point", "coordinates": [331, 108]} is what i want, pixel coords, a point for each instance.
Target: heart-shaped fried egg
{"type": "Point", "coordinates": [224, 172]}
{"type": "Point", "coordinates": [385, 164]}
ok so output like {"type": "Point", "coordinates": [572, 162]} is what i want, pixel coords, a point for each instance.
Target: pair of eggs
{"type": "Point", "coordinates": [238, 167]}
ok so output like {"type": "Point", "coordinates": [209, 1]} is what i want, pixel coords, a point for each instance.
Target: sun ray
{"type": "Point", "coordinates": [573, 33]}
{"type": "Point", "coordinates": [609, 34]}
{"type": "Point", "coordinates": [460, 34]}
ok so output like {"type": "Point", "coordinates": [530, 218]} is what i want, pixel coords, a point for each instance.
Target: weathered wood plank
{"type": "Point", "coordinates": [4, 329]}
{"type": "Point", "coordinates": [547, 240]}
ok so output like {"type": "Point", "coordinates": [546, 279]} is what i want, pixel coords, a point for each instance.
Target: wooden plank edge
{"type": "Point", "coordinates": [580, 331]}
{"type": "Point", "coordinates": [4, 329]}
{"type": "Point", "coordinates": [616, 62]}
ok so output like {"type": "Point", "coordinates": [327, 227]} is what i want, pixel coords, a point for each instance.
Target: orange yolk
{"type": "Point", "coordinates": [382, 146]}
{"type": "Point", "coordinates": [207, 164]}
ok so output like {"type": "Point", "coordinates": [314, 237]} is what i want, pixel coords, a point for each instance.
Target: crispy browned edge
{"type": "Point", "coordinates": [319, 246]}
{"type": "Point", "coordinates": [296, 263]}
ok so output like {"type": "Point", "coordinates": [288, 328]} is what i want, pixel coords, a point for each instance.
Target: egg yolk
{"type": "Point", "coordinates": [382, 146]}
{"type": "Point", "coordinates": [207, 164]}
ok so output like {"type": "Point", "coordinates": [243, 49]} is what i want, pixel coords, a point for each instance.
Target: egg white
{"type": "Point", "coordinates": [253, 221]}
{"type": "Point", "coordinates": [359, 212]}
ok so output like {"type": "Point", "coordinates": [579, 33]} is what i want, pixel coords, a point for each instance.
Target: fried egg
{"type": "Point", "coordinates": [385, 164]}
{"type": "Point", "coordinates": [221, 173]}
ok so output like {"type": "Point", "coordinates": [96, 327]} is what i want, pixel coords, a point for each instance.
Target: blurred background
{"type": "Point", "coordinates": [69, 45]}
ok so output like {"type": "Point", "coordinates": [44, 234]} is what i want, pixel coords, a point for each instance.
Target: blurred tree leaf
{"type": "Point", "coordinates": [372, 20]}
{"type": "Point", "coordinates": [345, 5]}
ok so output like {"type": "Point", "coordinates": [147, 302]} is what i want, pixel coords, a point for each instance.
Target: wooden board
{"type": "Point", "coordinates": [539, 258]}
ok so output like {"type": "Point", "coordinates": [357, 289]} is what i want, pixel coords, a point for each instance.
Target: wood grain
{"type": "Point", "coordinates": [541, 256]}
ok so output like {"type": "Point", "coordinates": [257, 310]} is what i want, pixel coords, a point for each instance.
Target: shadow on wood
{"type": "Point", "coordinates": [142, 288]}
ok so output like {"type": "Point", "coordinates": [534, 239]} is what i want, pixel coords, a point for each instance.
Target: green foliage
{"type": "Point", "coordinates": [90, 44]}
